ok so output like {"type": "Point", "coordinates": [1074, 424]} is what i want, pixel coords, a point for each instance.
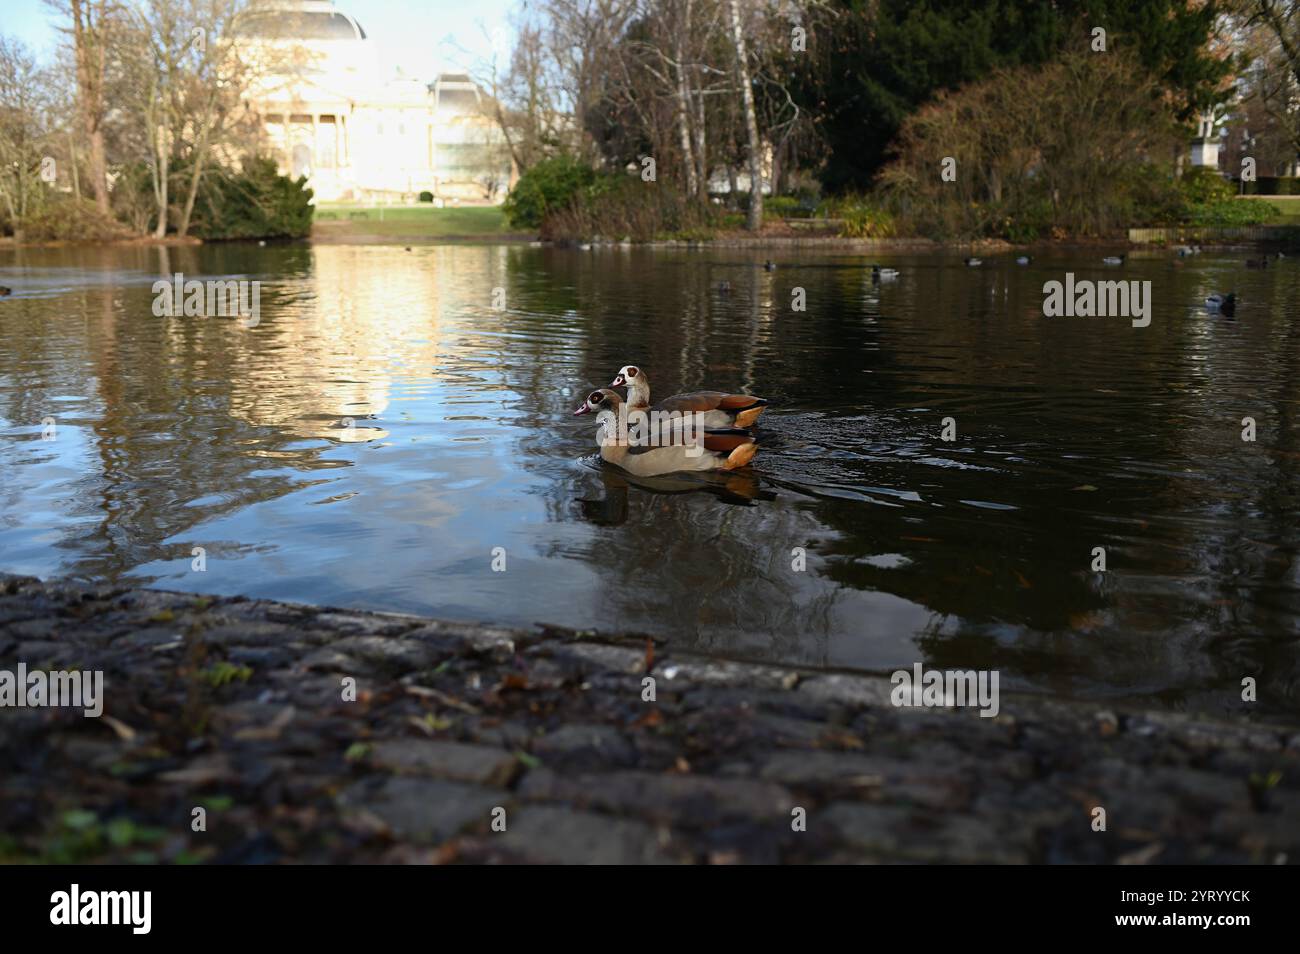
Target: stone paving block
{"type": "Point", "coordinates": [592, 657]}
{"type": "Point", "coordinates": [479, 764]}
{"type": "Point", "coordinates": [689, 800]}
{"type": "Point", "coordinates": [682, 674]}
{"type": "Point", "coordinates": [890, 833]}
{"type": "Point", "coordinates": [545, 834]}
{"type": "Point", "coordinates": [400, 654]}
{"type": "Point", "coordinates": [454, 639]}
{"type": "Point", "coordinates": [585, 746]}
{"type": "Point", "coordinates": [848, 690]}
{"type": "Point", "coordinates": [424, 810]}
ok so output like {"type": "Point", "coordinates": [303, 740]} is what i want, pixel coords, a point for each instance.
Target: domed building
{"type": "Point", "coordinates": [327, 110]}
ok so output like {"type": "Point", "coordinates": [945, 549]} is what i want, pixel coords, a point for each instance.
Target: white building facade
{"type": "Point", "coordinates": [327, 110]}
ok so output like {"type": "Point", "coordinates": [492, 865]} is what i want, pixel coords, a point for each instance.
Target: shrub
{"type": "Point", "coordinates": [1274, 185]}
{"type": "Point", "coordinates": [1068, 158]}
{"type": "Point", "coordinates": [546, 187]}
{"type": "Point", "coordinates": [65, 218]}
{"type": "Point", "coordinates": [1200, 185]}
{"type": "Point", "coordinates": [783, 205]}
{"type": "Point", "coordinates": [620, 206]}
{"type": "Point", "coordinates": [426, 196]}
{"type": "Point", "coordinates": [1232, 213]}
{"type": "Point", "coordinates": [864, 219]}
{"type": "Point", "coordinates": [256, 202]}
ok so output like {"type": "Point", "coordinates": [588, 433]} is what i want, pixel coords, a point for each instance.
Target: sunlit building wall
{"type": "Point", "coordinates": [328, 110]}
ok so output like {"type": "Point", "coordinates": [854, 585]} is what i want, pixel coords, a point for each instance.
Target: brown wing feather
{"type": "Point", "coordinates": [698, 401]}
{"type": "Point", "coordinates": [726, 443]}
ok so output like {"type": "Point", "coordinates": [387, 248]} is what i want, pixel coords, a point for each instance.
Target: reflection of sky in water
{"type": "Point", "coordinates": [384, 428]}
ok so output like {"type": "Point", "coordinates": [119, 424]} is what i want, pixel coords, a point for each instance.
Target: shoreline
{"type": "Point", "coordinates": [236, 706]}
{"type": "Point", "coordinates": [729, 241]}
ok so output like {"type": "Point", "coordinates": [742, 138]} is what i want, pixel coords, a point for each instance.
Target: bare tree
{"type": "Point", "coordinates": [24, 129]}
{"type": "Point", "coordinates": [754, 220]}
{"type": "Point", "coordinates": [89, 24]}
{"type": "Point", "coordinates": [1270, 36]}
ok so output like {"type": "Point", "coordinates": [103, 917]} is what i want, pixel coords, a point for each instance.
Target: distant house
{"type": "Point", "coordinates": [1205, 146]}
{"type": "Point", "coordinates": [327, 110]}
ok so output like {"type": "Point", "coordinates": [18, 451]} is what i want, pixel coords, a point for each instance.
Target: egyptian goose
{"type": "Point", "coordinates": [726, 449]}
{"type": "Point", "coordinates": [719, 408]}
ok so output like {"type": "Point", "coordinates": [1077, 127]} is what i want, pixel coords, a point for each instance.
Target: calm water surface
{"type": "Point", "coordinates": [175, 433]}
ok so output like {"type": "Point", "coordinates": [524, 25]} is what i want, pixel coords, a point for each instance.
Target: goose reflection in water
{"type": "Point", "coordinates": [730, 487]}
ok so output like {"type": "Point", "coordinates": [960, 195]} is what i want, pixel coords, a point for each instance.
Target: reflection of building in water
{"type": "Point", "coordinates": [329, 112]}
{"type": "Point", "coordinates": [349, 335]}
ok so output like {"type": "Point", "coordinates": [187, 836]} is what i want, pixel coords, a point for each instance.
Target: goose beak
{"type": "Point", "coordinates": [583, 409]}
{"type": "Point", "coordinates": [618, 382]}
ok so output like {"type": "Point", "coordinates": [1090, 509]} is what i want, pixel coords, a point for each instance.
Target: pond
{"type": "Point", "coordinates": [396, 416]}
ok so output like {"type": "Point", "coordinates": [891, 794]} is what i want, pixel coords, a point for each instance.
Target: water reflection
{"type": "Point", "coordinates": [384, 427]}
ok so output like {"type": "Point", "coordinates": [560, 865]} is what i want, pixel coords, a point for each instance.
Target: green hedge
{"type": "Point", "coordinates": [256, 202]}
{"type": "Point", "coordinates": [1274, 185]}
{"type": "Point", "coordinates": [546, 187]}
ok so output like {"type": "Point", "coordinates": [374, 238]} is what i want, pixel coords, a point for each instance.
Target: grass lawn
{"type": "Point", "coordinates": [408, 222]}
{"type": "Point", "coordinates": [1289, 204]}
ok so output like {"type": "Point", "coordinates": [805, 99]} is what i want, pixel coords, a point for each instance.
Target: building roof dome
{"type": "Point", "coordinates": [299, 20]}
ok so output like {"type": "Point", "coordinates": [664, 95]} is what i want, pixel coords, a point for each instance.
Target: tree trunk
{"type": "Point", "coordinates": [72, 167]}
{"type": "Point", "coordinates": [200, 159]}
{"type": "Point", "coordinates": [754, 222]}
{"type": "Point", "coordinates": [162, 174]}
{"type": "Point", "coordinates": [684, 105]}
{"type": "Point", "coordinates": [701, 150]}
{"type": "Point", "coordinates": [89, 52]}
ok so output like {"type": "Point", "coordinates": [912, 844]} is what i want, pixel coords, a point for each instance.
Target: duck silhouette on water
{"type": "Point", "coordinates": [1225, 305]}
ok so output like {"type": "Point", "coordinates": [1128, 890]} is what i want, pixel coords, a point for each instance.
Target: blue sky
{"type": "Point", "coordinates": [420, 36]}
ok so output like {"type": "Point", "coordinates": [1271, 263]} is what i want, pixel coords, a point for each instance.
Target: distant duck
{"type": "Point", "coordinates": [1023, 260]}
{"type": "Point", "coordinates": [5, 291]}
{"type": "Point", "coordinates": [1279, 255]}
{"type": "Point", "coordinates": [408, 248]}
{"type": "Point", "coordinates": [1115, 259]}
{"type": "Point", "coordinates": [879, 274]}
{"type": "Point", "coordinates": [725, 449]}
{"type": "Point", "coordinates": [1223, 304]}
{"type": "Point", "coordinates": [769, 265]}
{"type": "Point", "coordinates": [1185, 250]}
{"type": "Point", "coordinates": [1257, 263]}
{"type": "Point", "coordinates": [974, 262]}
{"type": "Point", "coordinates": [262, 243]}
{"type": "Point", "coordinates": [724, 288]}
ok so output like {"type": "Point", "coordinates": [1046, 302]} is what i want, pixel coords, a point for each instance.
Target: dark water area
{"type": "Point", "coordinates": [1071, 434]}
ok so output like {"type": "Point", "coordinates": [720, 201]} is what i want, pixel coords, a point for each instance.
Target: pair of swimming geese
{"type": "Point", "coordinates": [722, 443]}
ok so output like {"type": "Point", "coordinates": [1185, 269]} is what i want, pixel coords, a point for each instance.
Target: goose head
{"type": "Point", "coordinates": [627, 375]}
{"type": "Point", "coordinates": [599, 400]}
{"type": "Point", "coordinates": [638, 385]}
